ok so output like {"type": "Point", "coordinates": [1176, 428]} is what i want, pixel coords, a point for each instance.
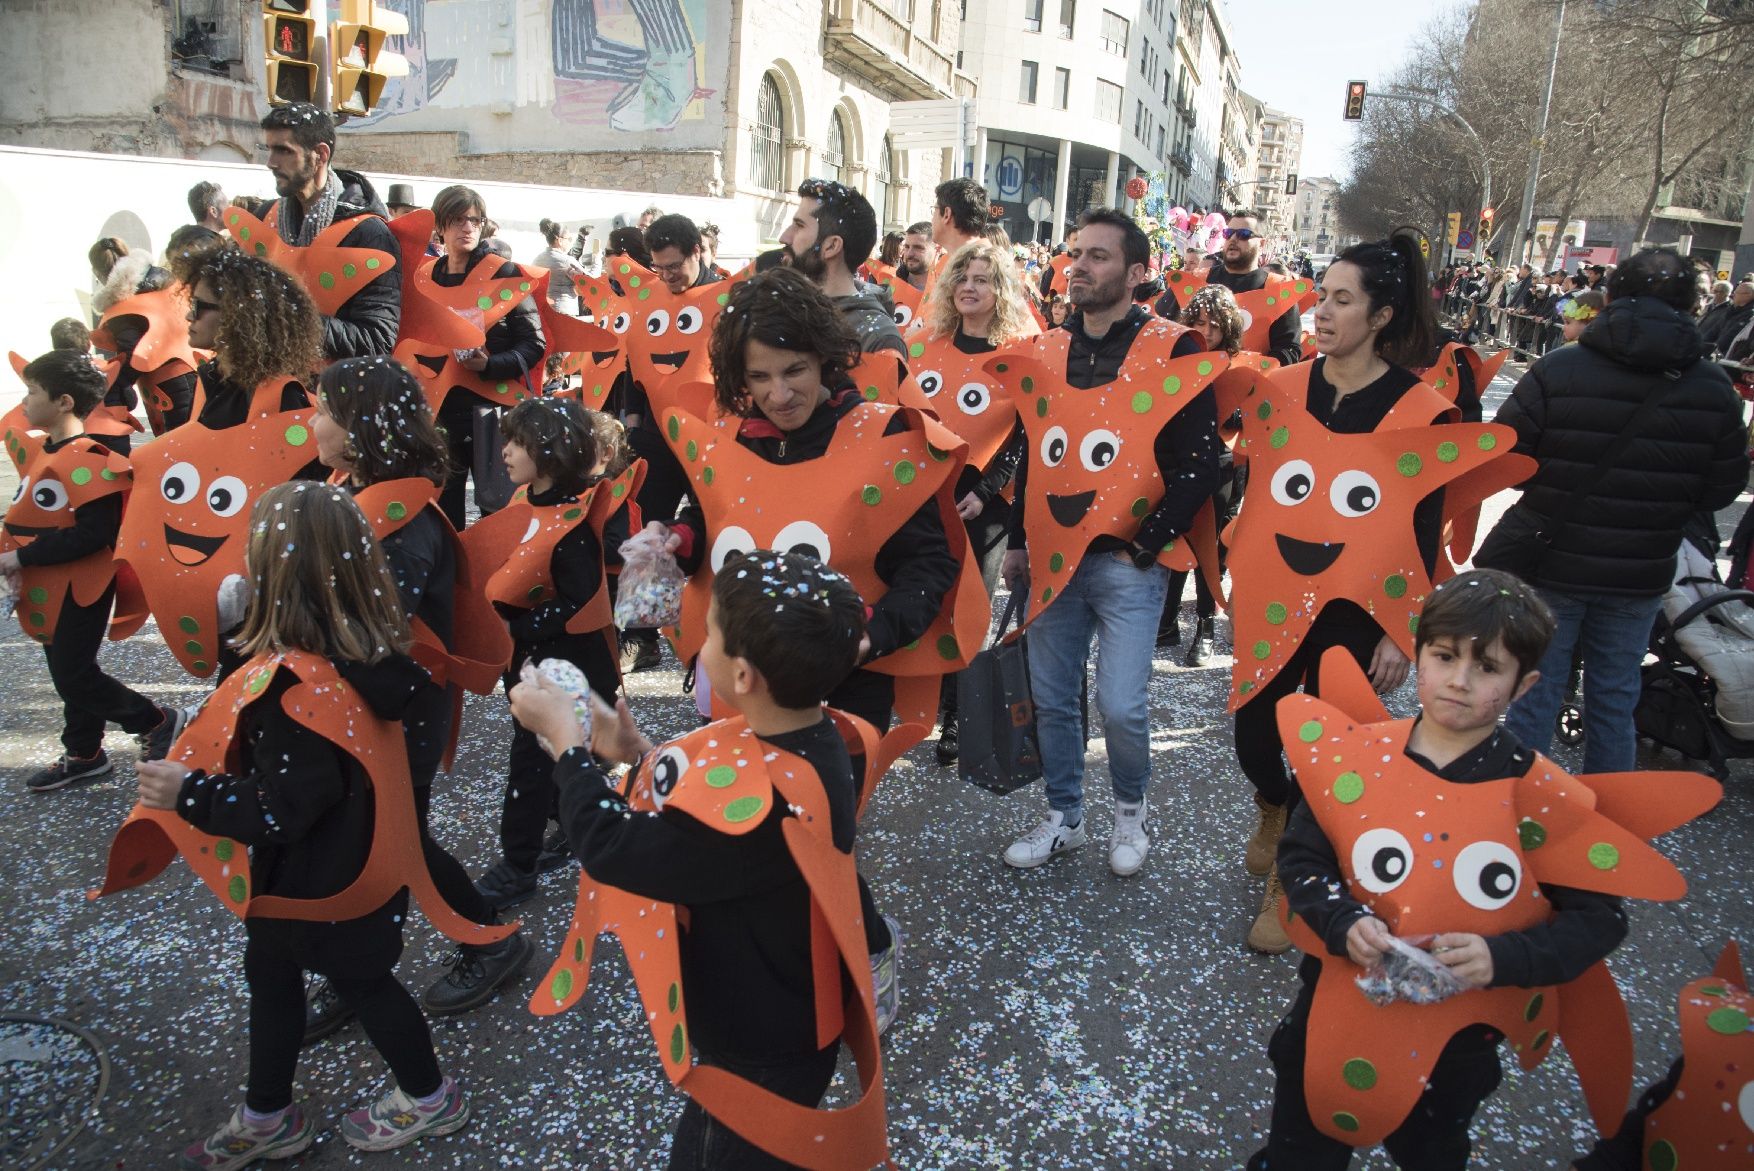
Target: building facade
{"type": "Point", "coordinates": [1279, 157]}
{"type": "Point", "coordinates": [1205, 54]}
{"type": "Point", "coordinates": [1240, 144]}
{"type": "Point", "coordinates": [1318, 221]}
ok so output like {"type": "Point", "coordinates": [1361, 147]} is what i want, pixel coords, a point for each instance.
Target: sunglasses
{"type": "Point", "coordinates": [1240, 233]}
{"type": "Point", "coordinates": [201, 306]}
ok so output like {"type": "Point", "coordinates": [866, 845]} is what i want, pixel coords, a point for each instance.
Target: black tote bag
{"type": "Point", "coordinates": [995, 722]}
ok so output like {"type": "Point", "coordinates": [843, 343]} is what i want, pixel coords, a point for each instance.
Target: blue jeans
{"type": "Point", "coordinates": [1113, 598]}
{"type": "Point", "coordinates": [1612, 632]}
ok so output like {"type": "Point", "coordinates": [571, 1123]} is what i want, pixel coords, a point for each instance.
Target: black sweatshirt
{"type": "Point", "coordinates": [227, 404]}
{"type": "Point", "coordinates": [94, 526]}
{"type": "Point", "coordinates": [1188, 449]}
{"type": "Point", "coordinates": [746, 964]}
{"type": "Point", "coordinates": [1585, 926]}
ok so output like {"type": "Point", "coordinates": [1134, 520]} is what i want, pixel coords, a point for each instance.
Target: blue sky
{"type": "Point", "coordinates": [1298, 55]}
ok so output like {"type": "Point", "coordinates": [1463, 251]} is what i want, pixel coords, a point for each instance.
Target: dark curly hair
{"type": "Point", "coordinates": [391, 433]}
{"type": "Point", "coordinates": [269, 327]}
{"type": "Point", "coordinates": [559, 438]}
{"type": "Point", "coordinates": [781, 308]}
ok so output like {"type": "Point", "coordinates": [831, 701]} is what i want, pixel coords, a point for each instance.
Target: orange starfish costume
{"type": "Point", "coordinates": [1260, 308]}
{"type": "Point", "coordinates": [435, 317]}
{"type": "Point", "coordinates": [727, 779]}
{"type": "Point", "coordinates": [1430, 856]}
{"type": "Point", "coordinates": [330, 273]}
{"type": "Point", "coordinates": [322, 702]}
{"type": "Point", "coordinates": [1707, 1123]}
{"type": "Point", "coordinates": [966, 399]}
{"type": "Point", "coordinates": [159, 323]}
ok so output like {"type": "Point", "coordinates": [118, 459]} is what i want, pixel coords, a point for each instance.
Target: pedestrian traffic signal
{"type": "Point", "coordinates": [1354, 101]}
{"type": "Point", "coordinates": [362, 65]}
{"type": "Point", "coordinates": [1486, 214]}
{"type": "Point", "coordinates": [289, 51]}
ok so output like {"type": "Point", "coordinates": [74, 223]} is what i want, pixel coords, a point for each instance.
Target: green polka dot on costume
{"type": "Point", "coordinates": [1409, 464]}
{"type": "Point", "coordinates": [916, 350]}
{"type": "Point", "coordinates": [1141, 506]}
{"type": "Point", "coordinates": [523, 287]}
{"type": "Point", "coordinates": [1028, 383]}
{"type": "Point", "coordinates": [1056, 562]}
{"type": "Point", "coordinates": [721, 776]}
{"type": "Point", "coordinates": [578, 951]}
{"type": "Point", "coordinates": [1441, 383]}
{"type": "Point", "coordinates": [238, 888]}
{"type": "Point", "coordinates": [1395, 586]}
{"type": "Point", "coordinates": [1348, 787]}
{"type": "Point", "coordinates": [535, 593]}
{"type": "Point", "coordinates": [1532, 1009]}
{"type": "Point", "coordinates": [261, 249]}
{"type": "Point", "coordinates": [742, 809]}
{"type": "Point", "coordinates": [1047, 593]}
{"type": "Point", "coordinates": [223, 849]}
{"type": "Point", "coordinates": [678, 1045]}
{"type": "Point", "coordinates": [1245, 687]}
{"type": "Point", "coordinates": [1204, 368]}
{"type": "Point", "coordinates": [503, 387]}
{"type": "Point", "coordinates": [871, 494]}
{"type": "Point", "coordinates": [1141, 402]}
{"type": "Point", "coordinates": [38, 595]}
{"type": "Point", "coordinates": [1277, 613]}
{"type": "Point", "coordinates": [326, 279]}
{"type": "Point", "coordinates": [1662, 1156]}
{"type": "Point", "coordinates": [1041, 408]}
{"type": "Point", "coordinates": [1728, 1021]}
{"type": "Point", "coordinates": [349, 271]}
{"type": "Point", "coordinates": [1001, 367]}
{"type": "Point", "coordinates": [395, 510]}
{"type": "Point", "coordinates": [297, 435]}
{"type": "Point", "coordinates": [674, 427]}
{"type": "Point", "coordinates": [1531, 833]}
{"type": "Point", "coordinates": [948, 648]}
{"type": "Point", "coordinates": [1604, 856]}
{"type": "Point", "coordinates": [561, 986]}
{"type": "Point", "coordinates": [644, 294]}
{"type": "Point", "coordinates": [938, 456]}
{"type": "Point", "coordinates": [724, 298]}
{"type": "Point", "coordinates": [232, 221]}
{"type": "Point", "coordinates": [905, 471]}
{"type": "Point", "coordinates": [1264, 412]}
{"type": "Point", "coordinates": [572, 514]}
{"type": "Point", "coordinates": [1172, 385]}
{"type": "Point", "coordinates": [81, 476]}
{"type": "Point", "coordinates": [188, 625]}
{"type": "Point", "coordinates": [484, 302]}
{"type": "Point", "coordinates": [38, 618]}
{"type": "Point", "coordinates": [633, 282]}
{"type": "Point", "coordinates": [708, 474]}
{"type": "Point", "coordinates": [872, 394]}
{"type": "Point", "coordinates": [1344, 1121]}
{"type": "Point", "coordinates": [372, 264]}
{"type": "Point", "coordinates": [1359, 1074]}
{"type": "Point", "coordinates": [1413, 624]}
{"type": "Point", "coordinates": [1711, 990]}
{"type": "Point", "coordinates": [1168, 545]}
{"type": "Point", "coordinates": [1541, 1039]}
{"type": "Point", "coordinates": [1279, 438]}
{"type": "Point", "coordinates": [506, 294]}
{"type": "Point", "coordinates": [200, 666]}
{"type": "Point", "coordinates": [194, 646]}
{"type": "Point", "coordinates": [1448, 452]}
{"type": "Point", "coordinates": [1310, 731]}
{"type": "Point", "coordinates": [1488, 441]}
{"type": "Point", "coordinates": [692, 450]}
{"type": "Point", "coordinates": [1261, 649]}
{"type": "Point", "coordinates": [673, 996]}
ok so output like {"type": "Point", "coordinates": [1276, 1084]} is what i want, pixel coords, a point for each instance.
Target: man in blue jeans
{"type": "Point", "coordinates": [1634, 433]}
{"type": "Point", "coordinates": [1117, 589]}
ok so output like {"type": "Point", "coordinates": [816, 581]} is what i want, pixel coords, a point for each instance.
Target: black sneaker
{"type": "Point", "coordinates": [506, 885]}
{"type": "Point", "coordinates": [1201, 652]}
{"type": "Point", "coordinates": [476, 973]}
{"type": "Point", "coordinates": [1169, 634]}
{"type": "Point", "coordinates": [947, 742]}
{"type": "Point", "coordinates": [642, 655]}
{"type": "Point", "coordinates": [156, 744]}
{"type": "Point", "coordinates": [325, 1012]}
{"type": "Point", "coordinates": [69, 770]}
{"type": "Point", "coordinates": [556, 852]}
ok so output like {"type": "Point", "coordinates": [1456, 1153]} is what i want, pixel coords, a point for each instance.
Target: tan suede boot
{"type": "Point", "coordinates": [1263, 847]}
{"type": "Point", "coordinates": [1266, 934]}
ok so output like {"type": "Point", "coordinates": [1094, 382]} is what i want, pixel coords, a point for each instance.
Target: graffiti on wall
{"type": "Point", "coordinates": [427, 75]}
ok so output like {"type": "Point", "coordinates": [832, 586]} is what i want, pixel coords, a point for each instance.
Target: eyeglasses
{"type": "Point", "coordinates": [1240, 233]}
{"type": "Point", "coordinates": [199, 306]}
{"type": "Point", "coordinates": [474, 221]}
{"type": "Point", "coordinates": [670, 269]}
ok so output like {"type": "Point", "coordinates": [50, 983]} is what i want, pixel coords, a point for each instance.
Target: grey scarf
{"type": "Point", "coordinates": [319, 215]}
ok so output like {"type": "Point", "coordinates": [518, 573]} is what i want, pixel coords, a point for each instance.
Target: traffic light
{"type": "Point", "coordinates": [1354, 101]}
{"type": "Point", "coordinates": [362, 64]}
{"type": "Point", "coordinates": [289, 51]}
{"type": "Point", "coordinates": [1486, 215]}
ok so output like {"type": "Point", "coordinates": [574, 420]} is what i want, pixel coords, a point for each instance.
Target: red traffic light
{"type": "Point", "coordinates": [1354, 100]}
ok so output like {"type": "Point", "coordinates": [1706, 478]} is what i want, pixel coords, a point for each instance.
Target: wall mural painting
{"type": "Point", "coordinates": [635, 61]}
{"type": "Point", "coordinates": [427, 74]}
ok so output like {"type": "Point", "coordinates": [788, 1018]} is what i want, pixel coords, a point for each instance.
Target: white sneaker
{"type": "Point", "coordinates": [1128, 845]}
{"type": "Point", "coordinates": [1047, 840]}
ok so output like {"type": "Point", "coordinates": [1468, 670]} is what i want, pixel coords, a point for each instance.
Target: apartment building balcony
{"type": "Point", "coordinates": [868, 36]}
{"type": "Point", "coordinates": [1182, 159]}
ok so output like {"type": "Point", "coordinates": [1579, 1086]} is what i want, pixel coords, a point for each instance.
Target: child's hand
{"type": "Point", "coordinates": [545, 710]}
{"type": "Point", "coordinates": [1467, 957]}
{"type": "Point", "coordinates": [671, 541]}
{"type": "Point", "coordinates": [159, 783]}
{"type": "Point", "coordinates": [614, 735]}
{"type": "Point", "coordinates": [1366, 940]}
{"type": "Point", "coordinates": [476, 361]}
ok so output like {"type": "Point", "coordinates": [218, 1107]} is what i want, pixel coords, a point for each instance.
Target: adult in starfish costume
{"type": "Point", "coordinates": [1270, 304]}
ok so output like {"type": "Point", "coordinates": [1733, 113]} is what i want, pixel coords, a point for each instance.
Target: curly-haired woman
{"type": "Point", "coordinates": [261, 326]}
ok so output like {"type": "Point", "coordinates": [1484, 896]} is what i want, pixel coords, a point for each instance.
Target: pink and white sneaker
{"type": "Point", "coordinates": [241, 1142]}
{"type": "Point", "coordinates": [396, 1119]}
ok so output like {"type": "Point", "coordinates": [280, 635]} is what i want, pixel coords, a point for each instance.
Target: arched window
{"type": "Point", "coordinates": [767, 158]}
{"type": "Point", "coordinates": [885, 188]}
{"type": "Point", "coordinates": [834, 159]}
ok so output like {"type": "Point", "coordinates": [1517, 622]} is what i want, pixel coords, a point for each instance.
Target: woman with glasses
{"type": "Point", "coordinates": [512, 352]}
{"type": "Point", "coordinates": [261, 327]}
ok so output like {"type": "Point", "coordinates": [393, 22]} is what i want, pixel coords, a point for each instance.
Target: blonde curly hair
{"type": "Point", "coordinates": [1010, 313]}
{"type": "Point", "coordinates": [269, 327]}
{"type": "Point", "coordinates": [1217, 304]}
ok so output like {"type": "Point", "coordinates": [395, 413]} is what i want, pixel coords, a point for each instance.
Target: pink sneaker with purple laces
{"type": "Point", "coordinates": [241, 1142]}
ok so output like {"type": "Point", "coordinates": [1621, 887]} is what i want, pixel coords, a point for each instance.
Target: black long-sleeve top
{"type": "Point", "coordinates": [227, 404]}
{"type": "Point", "coordinates": [1585, 926]}
{"type": "Point", "coordinates": [94, 527]}
{"type": "Point", "coordinates": [746, 963]}
{"type": "Point", "coordinates": [515, 343]}
{"type": "Point", "coordinates": [1283, 339]}
{"type": "Point", "coordinates": [1188, 451]}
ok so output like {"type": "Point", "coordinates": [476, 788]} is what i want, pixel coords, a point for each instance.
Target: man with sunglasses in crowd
{"type": "Point", "coordinates": [1240, 270]}
{"type": "Point", "coordinates": [831, 234]}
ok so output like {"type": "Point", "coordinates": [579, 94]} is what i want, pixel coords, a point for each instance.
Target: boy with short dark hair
{"type": "Point", "coordinates": [782, 631]}
{"type": "Point", "coordinates": [1478, 640]}
{"type": "Point", "coordinates": [57, 552]}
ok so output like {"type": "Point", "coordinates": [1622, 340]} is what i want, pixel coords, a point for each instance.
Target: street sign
{"type": "Point", "coordinates": [1040, 209]}
{"type": "Point", "coordinates": [1464, 239]}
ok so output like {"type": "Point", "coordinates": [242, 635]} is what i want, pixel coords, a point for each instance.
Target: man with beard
{"type": "Point", "coordinates": [1118, 586]}
{"type": "Point", "coordinates": [1239, 269]}
{"type": "Point", "coordinates": [830, 236]}
{"type": "Point", "coordinates": [918, 254]}
{"type": "Point", "coordinates": [315, 196]}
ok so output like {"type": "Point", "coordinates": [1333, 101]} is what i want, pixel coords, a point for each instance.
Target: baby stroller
{"type": "Point", "coordinates": [1698, 693]}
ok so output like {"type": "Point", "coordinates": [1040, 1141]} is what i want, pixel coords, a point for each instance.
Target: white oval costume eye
{"type": "Point", "coordinates": [180, 484]}
{"type": "Point", "coordinates": [1487, 874]}
{"type": "Point", "coordinates": [1381, 860]}
{"type": "Point", "coordinates": [1248, 319]}
{"type": "Point", "coordinates": [731, 541]}
{"type": "Point", "coordinates": [903, 315]}
{"type": "Point", "coordinates": [1745, 1105]}
{"type": "Point", "coordinates": [535, 526]}
{"type": "Point", "coordinates": [1293, 482]}
{"type": "Point", "coordinates": [1099, 449]}
{"type": "Point", "coordinates": [1354, 493]}
{"type": "Point", "coordinates": [658, 322]}
{"type": "Point", "coordinates": [973, 398]}
{"type": "Point", "coordinates": [620, 322]}
{"type": "Point", "coordinates": [227, 495]}
{"type": "Point", "coordinates": [690, 320]}
{"type": "Point", "coordinates": [666, 771]}
{"type": "Point", "coordinates": [1053, 446]}
{"type": "Point", "coordinates": [931, 382]}
{"type": "Point", "coordinates": [802, 536]}
{"type": "Point", "coordinates": [49, 495]}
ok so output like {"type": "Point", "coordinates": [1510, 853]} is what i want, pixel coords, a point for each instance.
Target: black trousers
{"type": "Point", "coordinates": [358, 958]}
{"type": "Point", "coordinates": [1259, 749]}
{"type": "Point", "coordinates": [1433, 1138]}
{"type": "Point", "coordinates": [1225, 502]}
{"type": "Point", "coordinates": [456, 418]}
{"type": "Point", "coordinates": [91, 699]}
{"type": "Point", "coordinates": [703, 1143]}
{"type": "Point", "coordinates": [530, 796]}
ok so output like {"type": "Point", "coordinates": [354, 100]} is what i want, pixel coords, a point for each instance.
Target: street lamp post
{"type": "Point", "coordinates": [1485, 159]}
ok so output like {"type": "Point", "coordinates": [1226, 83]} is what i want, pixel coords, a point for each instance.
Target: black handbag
{"type": "Point", "coordinates": [493, 484]}
{"type": "Point", "coordinates": [997, 747]}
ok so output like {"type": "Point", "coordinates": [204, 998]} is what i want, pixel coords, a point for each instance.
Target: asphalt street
{"type": "Point", "coordinates": [1058, 1018]}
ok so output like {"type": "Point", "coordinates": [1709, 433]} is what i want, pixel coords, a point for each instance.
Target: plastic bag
{"type": "Point", "coordinates": [569, 679]}
{"type": "Point", "coordinates": [1410, 974]}
{"type": "Point", "coordinates": [649, 594]}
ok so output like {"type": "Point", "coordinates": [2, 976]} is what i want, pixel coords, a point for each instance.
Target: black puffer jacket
{"type": "Point", "coordinates": [368, 322]}
{"type": "Point", "coordinates": [1690, 453]}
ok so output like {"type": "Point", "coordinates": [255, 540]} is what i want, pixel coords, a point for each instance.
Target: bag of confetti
{"type": "Point", "coordinates": [1407, 973]}
{"type": "Point", "coordinates": [649, 593]}
{"type": "Point", "coordinates": [569, 679]}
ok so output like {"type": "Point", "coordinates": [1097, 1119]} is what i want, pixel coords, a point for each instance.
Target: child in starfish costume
{"type": "Point", "coordinates": [1447, 833]}
{"type": "Point", "coordinates": [57, 553]}
{"type": "Point", "coordinates": [298, 756]}
{"type": "Point", "coordinates": [724, 866]}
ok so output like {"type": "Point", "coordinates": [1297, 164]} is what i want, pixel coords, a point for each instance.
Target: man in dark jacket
{"type": "Point", "coordinates": [313, 197]}
{"type": "Point", "coordinates": [1239, 269]}
{"type": "Point", "coordinates": [1719, 327]}
{"type": "Point", "coordinates": [1598, 524]}
{"type": "Point", "coordinates": [831, 234]}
